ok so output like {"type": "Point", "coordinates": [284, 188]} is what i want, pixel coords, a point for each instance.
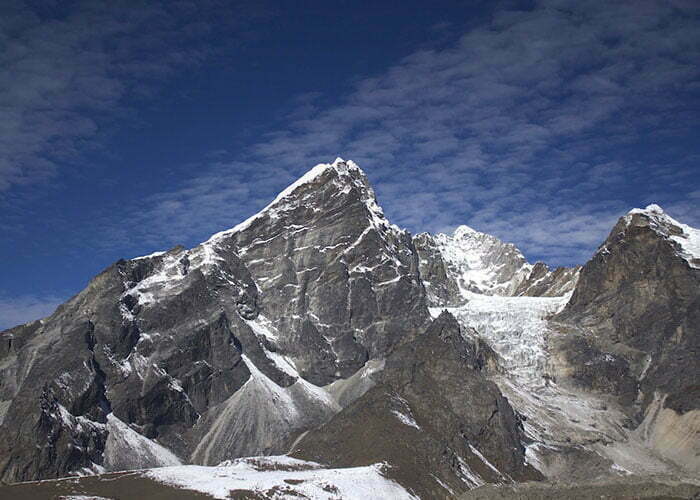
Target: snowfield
{"type": "Point", "coordinates": [283, 477]}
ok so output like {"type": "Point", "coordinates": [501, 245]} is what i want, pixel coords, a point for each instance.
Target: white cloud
{"type": "Point", "coordinates": [67, 68]}
{"type": "Point", "coordinates": [513, 129]}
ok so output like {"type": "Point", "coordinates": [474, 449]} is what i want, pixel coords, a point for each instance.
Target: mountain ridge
{"type": "Point", "coordinates": [258, 339]}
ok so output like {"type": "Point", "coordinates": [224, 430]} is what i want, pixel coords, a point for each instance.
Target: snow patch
{"type": "Point", "coordinates": [405, 416]}
{"type": "Point", "coordinates": [405, 419]}
{"type": "Point", "coordinates": [443, 484]}
{"type": "Point", "coordinates": [286, 476]}
{"type": "Point", "coordinates": [468, 476]}
{"type": "Point", "coordinates": [82, 497]}
{"type": "Point", "coordinates": [483, 459]}
{"type": "Point", "coordinates": [127, 449]}
{"type": "Point", "coordinates": [149, 256]}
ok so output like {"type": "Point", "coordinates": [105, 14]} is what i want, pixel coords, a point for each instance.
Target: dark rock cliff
{"type": "Point", "coordinates": [440, 424]}
{"type": "Point", "coordinates": [632, 326]}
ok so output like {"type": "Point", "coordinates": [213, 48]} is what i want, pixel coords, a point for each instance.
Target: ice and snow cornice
{"type": "Point", "coordinates": [650, 210]}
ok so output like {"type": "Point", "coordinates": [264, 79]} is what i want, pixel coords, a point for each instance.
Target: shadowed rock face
{"type": "Point", "coordinates": [641, 301]}
{"type": "Point", "coordinates": [633, 324]}
{"type": "Point", "coordinates": [441, 287]}
{"type": "Point", "coordinates": [543, 282]}
{"type": "Point", "coordinates": [109, 351]}
{"type": "Point", "coordinates": [435, 418]}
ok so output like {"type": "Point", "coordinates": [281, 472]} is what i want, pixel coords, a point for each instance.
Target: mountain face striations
{"type": "Point", "coordinates": [430, 365]}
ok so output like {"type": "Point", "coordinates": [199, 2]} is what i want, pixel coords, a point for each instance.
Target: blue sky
{"type": "Point", "coordinates": [130, 127]}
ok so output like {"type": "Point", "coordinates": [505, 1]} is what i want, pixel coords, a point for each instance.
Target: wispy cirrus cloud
{"type": "Point", "coordinates": [541, 126]}
{"type": "Point", "coordinates": [70, 67]}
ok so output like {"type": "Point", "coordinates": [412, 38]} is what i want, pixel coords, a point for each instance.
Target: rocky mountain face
{"type": "Point", "coordinates": [633, 329]}
{"type": "Point", "coordinates": [219, 351]}
{"type": "Point", "coordinates": [316, 328]}
{"type": "Point", "coordinates": [470, 262]}
{"type": "Point", "coordinates": [433, 409]}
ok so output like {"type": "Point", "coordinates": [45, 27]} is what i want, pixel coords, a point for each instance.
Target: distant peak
{"type": "Point", "coordinates": [464, 230]}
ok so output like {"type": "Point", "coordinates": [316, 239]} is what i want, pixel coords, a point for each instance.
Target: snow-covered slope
{"type": "Point", "coordinates": [482, 263]}
{"type": "Point", "coordinates": [283, 477]}
{"type": "Point", "coordinates": [471, 262]}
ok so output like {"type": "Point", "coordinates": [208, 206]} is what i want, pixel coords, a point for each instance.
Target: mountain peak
{"type": "Point", "coordinates": [344, 169]}
{"type": "Point", "coordinates": [344, 174]}
{"type": "Point", "coordinates": [685, 237]}
{"type": "Point", "coordinates": [347, 171]}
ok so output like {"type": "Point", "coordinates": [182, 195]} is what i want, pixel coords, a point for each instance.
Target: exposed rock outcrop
{"type": "Point", "coordinates": [434, 416]}
{"type": "Point", "coordinates": [633, 324]}
{"type": "Point", "coordinates": [219, 351]}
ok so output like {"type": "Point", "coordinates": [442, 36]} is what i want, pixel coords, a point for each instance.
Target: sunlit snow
{"type": "Point", "coordinates": [286, 476]}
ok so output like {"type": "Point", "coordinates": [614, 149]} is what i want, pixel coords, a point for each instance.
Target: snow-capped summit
{"type": "Point", "coordinates": [454, 268]}
{"type": "Point", "coordinates": [653, 208]}
{"type": "Point", "coordinates": [482, 263]}
{"type": "Point", "coordinates": [685, 237]}
{"type": "Point", "coordinates": [341, 174]}
{"type": "Point", "coordinates": [464, 231]}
